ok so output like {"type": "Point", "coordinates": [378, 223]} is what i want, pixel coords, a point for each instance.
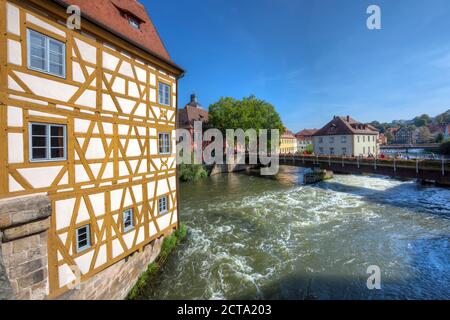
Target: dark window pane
{"type": "Point", "coordinates": [39, 130]}
{"type": "Point", "coordinates": [57, 142]}
{"type": "Point", "coordinates": [57, 152]}
{"type": "Point", "coordinates": [57, 131]}
{"type": "Point", "coordinates": [39, 153]}
{"type": "Point", "coordinates": [39, 141]}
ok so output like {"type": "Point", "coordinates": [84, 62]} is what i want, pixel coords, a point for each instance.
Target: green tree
{"type": "Point", "coordinates": [425, 135]}
{"type": "Point", "coordinates": [248, 113]}
{"type": "Point", "coordinates": [440, 137]}
{"type": "Point", "coordinates": [309, 149]}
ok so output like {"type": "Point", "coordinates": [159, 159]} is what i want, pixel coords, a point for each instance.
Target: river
{"type": "Point", "coordinates": [253, 237]}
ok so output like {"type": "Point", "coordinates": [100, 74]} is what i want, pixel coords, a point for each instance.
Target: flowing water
{"type": "Point", "coordinates": [252, 237]}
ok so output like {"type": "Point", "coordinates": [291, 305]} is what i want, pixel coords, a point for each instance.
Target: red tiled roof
{"type": "Point", "coordinates": [288, 134]}
{"type": "Point", "coordinates": [345, 125]}
{"type": "Point", "coordinates": [306, 133]}
{"type": "Point", "coordinates": [109, 13]}
{"type": "Point", "coordinates": [188, 115]}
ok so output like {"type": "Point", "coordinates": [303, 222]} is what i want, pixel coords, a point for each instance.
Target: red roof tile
{"type": "Point", "coordinates": [110, 14]}
{"type": "Point", "coordinates": [188, 115]}
{"type": "Point", "coordinates": [345, 125]}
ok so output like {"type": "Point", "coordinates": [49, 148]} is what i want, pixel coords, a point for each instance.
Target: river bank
{"type": "Point", "coordinates": [253, 237]}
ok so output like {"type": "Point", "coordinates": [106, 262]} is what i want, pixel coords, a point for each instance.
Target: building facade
{"type": "Point", "coordinates": [304, 139]}
{"type": "Point", "coordinates": [447, 132]}
{"type": "Point", "coordinates": [405, 135]}
{"type": "Point", "coordinates": [344, 136]}
{"type": "Point", "coordinates": [87, 118]}
{"type": "Point", "coordinates": [288, 143]}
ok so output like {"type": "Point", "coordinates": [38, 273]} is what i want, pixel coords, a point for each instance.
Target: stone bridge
{"type": "Point", "coordinates": [437, 171]}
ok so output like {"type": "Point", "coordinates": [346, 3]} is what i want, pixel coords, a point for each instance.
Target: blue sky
{"type": "Point", "coordinates": [312, 59]}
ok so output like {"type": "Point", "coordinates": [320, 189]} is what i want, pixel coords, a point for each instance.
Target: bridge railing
{"type": "Point", "coordinates": [442, 165]}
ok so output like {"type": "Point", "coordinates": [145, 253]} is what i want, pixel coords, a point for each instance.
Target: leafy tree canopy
{"type": "Point", "coordinates": [248, 113]}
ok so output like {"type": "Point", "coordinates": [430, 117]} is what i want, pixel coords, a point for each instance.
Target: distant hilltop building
{"type": "Point", "coordinates": [447, 132]}
{"type": "Point", "coordinates": [304, 139]}
{"type": "Point", "coordinates": [288, 143]}
{"type": "Point", "coordinates": [405, 135]}
{"type": "Point", "coordinates": [346, 136]}
{"type": "Point", "coordinates": [88, 184]}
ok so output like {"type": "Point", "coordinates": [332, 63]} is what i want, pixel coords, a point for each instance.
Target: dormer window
{"type": "Point", "coordinates": [134, 22]}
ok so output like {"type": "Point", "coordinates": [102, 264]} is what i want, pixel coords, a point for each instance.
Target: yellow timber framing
{"type": "Point", "coordinates": [3, 100]}
{"type": "Point", "coordinates": [58, 12]}
{"type": "Point", "coordinates": [44, 109]}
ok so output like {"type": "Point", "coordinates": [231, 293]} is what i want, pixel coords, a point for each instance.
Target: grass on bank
{"type": "Point", "coordinates": [153, 268]}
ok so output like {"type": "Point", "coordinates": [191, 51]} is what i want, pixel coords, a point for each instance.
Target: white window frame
{"type": "Point", "coordinates": [128, 213]}
{"type": "Point", "coordinates": [344, 139]}
{"type": "Point", "coordinates": [88, 235]}
{"type": "Point", "coordinates": [166, 203]}
{"type": "Point", "coordinates": [159, 143]}
{"type": "Point", "coordinates": [161, 93]}
{"type": "Point", "coordinates": [48, 142]}
{"type": "Point", "coordinates": [47, 52]}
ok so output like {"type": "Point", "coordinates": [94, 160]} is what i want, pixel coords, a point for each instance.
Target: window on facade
{"type": "Point", "coordinates": [358, 138]}
{"type": "Point", "coordinates": [364, 150]}
{"type": "Point", "coordinates": [320, 140]}
{"type": "Point", "coordinates": [128, 221]}
{"type": "Point", "coordinates": [364, 138]}
{"type": "Point", "coordinates": [344, 139]}
{"type": "Point", "coordinates": [331, 139]}
{"type": "Point", "coordinates": [321, 150]}
{"type": "Point", "coordinates": [331, 151]}
{"type": "Point", "coordinates": [164, 143]}
{"type": "Point", "coordinates": [83, 238]}
{"type": "Point", "coordinates": [47, 142]}
{"type": "Point", "coordinates": [162, 205]}
{"type": "Point", "coordinates": [134, 22]}
{"type": "Point", "coordinates": [344, 151]}
{"type": "Point", "coordinates": [46, 54]}
{"type": "Point", "coordinates": [368, 149]}
{"type": "Point", "coordinates": [164, 94]}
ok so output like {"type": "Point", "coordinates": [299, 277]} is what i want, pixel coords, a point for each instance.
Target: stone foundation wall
{"type": "Point", "coordinates": [115, 282]}
{"type": "Point", "coordinates": [228, 168]}
{"type": "Point", "coordinates": [24, 223]}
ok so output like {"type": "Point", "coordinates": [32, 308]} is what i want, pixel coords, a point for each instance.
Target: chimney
{"type": "Point", "coordinates": [348, 118]}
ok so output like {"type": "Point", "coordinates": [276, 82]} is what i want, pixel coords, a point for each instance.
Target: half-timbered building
{"type": "Point", "coordinates": [88, 118]}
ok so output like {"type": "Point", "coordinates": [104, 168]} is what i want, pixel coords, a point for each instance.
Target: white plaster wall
{"type": "Point", "coordinates": [125, 69]}
{"type": "Point", "coordinates": [40, 177]}
{"type": "Point", "coordinates": [13, 19]}
{"type": "Point", "coordinates": [64, 210]}
{"type": "Point", "coordinates": [48, 88]}
{"type": "Point", "coordinates": [109, 61]}
{"type": "Point", "coordinates": [45, 25]}
{"type": "Point", "coordinates": [119, 85]}
{"type": "Point", "coordinates": [84, 261]}
{"type": "Point", "coordinates": [15, 148]}
{"type": "Point", "coordinates": [98, 203]}
{"type": "Point", "coordinates": [163, 221]}
{"type": "Point", "coordinates": [88, 99]}
{"type": "Point", "coordinates": [14, 52]}
{"type": "Point", "coordinates": [15, 117]}
{"type": "Point", "coordinates": [87, 51]}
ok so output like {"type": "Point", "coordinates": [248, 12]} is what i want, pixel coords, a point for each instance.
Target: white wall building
{"type": "Point", "coordinates": [344, 136]}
